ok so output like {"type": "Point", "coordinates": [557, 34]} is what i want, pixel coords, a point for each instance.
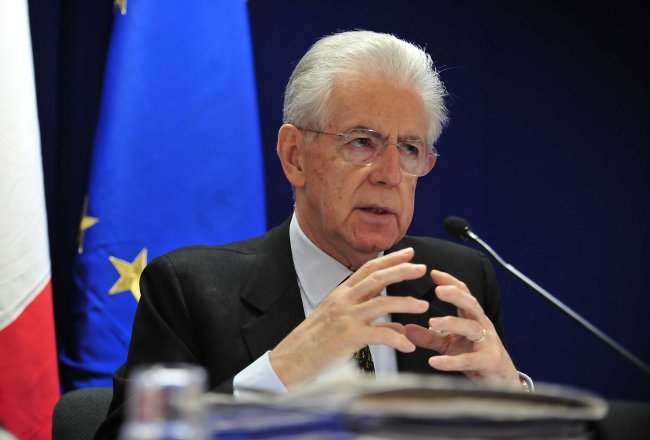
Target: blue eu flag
{"type": "Point", "coordinates": [177, 161]}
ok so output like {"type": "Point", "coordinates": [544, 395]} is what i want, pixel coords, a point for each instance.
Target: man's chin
{"type": "Point", "coordinates": [367, 242]}
{"type": "Point", "coordinates": [373, 246]}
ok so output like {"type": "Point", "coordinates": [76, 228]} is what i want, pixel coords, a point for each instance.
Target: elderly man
{"type": "Point", "coordinates": [340, 278]}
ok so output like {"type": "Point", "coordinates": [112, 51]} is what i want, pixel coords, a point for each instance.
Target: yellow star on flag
{"type": "Point", "coordinates": [129, 274]}
{"type": "Point", "coordinates": [86, 222]}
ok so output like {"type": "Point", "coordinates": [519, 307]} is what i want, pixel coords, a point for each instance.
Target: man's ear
{"type": "Point", "coordinates": [290, 150]}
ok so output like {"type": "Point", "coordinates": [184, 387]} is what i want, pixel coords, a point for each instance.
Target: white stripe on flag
{"type": "Point", "coordinates": [24, 255]}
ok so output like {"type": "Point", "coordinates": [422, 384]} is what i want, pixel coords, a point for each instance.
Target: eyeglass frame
{"type": "Point", "coordinates": [400, 145]}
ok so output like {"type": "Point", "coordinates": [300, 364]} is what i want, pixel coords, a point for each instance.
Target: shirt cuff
{"type": "Point", "coordinates": [529, 385]}
{"type": "Point", "coordinates": [258, 377]}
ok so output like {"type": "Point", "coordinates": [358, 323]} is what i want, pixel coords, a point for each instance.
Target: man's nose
{"type": "Point", "coordinates": [387, 169]}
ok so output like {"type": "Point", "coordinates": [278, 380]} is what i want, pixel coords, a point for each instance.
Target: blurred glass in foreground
{"type": "Point", "coordinates": [166, 402]}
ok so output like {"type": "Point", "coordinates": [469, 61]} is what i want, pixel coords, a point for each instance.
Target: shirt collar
{"type": "Point", "coordinates": [318, 273]}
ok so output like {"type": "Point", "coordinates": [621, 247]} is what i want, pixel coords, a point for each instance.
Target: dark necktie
{"type": "Point", "coordinates": [364, 360]}
{"type": "Point", "coordinates": [363, 356]}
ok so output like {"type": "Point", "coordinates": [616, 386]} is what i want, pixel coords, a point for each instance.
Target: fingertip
{"type": "Point", "coordinates": [435, 361]}
{"type": "Point", "coordinates": [438, 274]}
{"type": "Point", "coordinates": [407, 346]}
{"type": "Point", "coordinates": [441, 291]}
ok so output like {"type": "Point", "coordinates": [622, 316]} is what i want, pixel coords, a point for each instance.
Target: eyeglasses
{"type": "Point", "coordinates": [362, 146]}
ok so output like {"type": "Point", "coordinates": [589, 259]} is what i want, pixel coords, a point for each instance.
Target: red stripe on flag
{"type": "Point", "coordinates": [29, 385]}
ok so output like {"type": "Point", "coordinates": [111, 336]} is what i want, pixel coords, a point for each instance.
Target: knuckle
{"type": "Point", "coordinates": [332, 302]}
{"type": "Point", "coordinates": [465, 364]}
{"type": "Point", "coordinates": [475, 306]}
{"type": "Point", "coordinates": [447, 320]}
{"type": "Point", "coordinates": [371, 265]}
{"type": "Point", "coordinates": [413, 303]}
{"type": "Point", "coordinates": [381, 300]}
{"type": "Point", "coordinates": [376, 277]}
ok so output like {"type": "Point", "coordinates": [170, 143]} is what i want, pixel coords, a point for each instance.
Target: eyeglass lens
{"type": "Point", "coordinates": [364, 146]}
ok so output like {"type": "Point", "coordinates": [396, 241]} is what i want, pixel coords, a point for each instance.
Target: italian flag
{"type": "Point", "coordinates": [28, 370]}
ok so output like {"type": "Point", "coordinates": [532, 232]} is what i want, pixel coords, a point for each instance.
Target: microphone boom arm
{"type": "Point", "coordinates": [560, 305]}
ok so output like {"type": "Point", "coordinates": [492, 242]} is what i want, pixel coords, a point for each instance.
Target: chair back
{"type": "Point", "coordinates": [78, 414]}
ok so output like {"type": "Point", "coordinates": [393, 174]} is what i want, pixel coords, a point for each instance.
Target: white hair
{"type": "Point", "coordinates": [306, 98]}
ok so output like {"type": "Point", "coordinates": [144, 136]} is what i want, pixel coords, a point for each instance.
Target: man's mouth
{"type": "Point", "coordinates": [375, 210]}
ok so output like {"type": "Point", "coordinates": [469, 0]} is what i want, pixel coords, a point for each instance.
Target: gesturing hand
{"type": "Point", "coordinates": [342, 323]}
{"type": "Point", "coordinates": [467, 342]}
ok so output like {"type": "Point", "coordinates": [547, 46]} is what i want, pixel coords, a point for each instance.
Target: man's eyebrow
{"type": "Point", "coordinates": [363, 127]}
{"type": "Point", "coordinates": [411, 138]}
{"type": "Point", "coordinates": [401, 138]}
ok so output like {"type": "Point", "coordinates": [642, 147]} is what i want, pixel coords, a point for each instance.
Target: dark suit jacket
{"type": "Point", "coordinates": [224, 306]}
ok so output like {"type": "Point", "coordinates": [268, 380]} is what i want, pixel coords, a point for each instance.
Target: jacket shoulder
{"type": "Point", "coordinates": [437, 249]}
{"type": "Point", "coordinates": [196, 256]}
{"type": "Point", "coordinates": [237, 253]}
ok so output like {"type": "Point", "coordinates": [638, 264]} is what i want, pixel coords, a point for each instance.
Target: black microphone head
{"type": "Point", "coordinates": [457, 227]}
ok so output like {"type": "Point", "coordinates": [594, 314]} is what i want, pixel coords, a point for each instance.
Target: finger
{"type": "Point", "coordinates": [467, 305]}
{"type": "Point", "coordinates": [395, 326]}
{"type": "Point", "coordinates": [387, 335]}
{"type": "Point", "coordinates": [456, 292]}
{"type": "Point", "coordinates": [383, 262]}
{"type": "Point", "coordinates": [462, 362]}
{"type": "Point", "coordinates": [445, 279]}
{"type": "Point", "coordinates": [471, 329]}
{"type": "Point", "coordinates": [382, 305]}
{"type": "Point", "coordinates": [425, 338]}
{"type": "Point", "coordinates": [376, 281]}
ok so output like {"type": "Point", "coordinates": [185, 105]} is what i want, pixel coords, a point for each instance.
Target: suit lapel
{"type": "Point", "coordinates": [272, 292]}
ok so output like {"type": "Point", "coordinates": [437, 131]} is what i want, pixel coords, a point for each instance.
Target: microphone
{"type": "Point", "coordinates": [459, 228]}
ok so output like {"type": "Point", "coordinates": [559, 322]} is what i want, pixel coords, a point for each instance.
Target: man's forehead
{"type": "Point", "coordinates": [378, 104]}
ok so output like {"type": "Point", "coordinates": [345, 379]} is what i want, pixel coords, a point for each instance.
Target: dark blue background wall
{"type": "Point", "coordinates": [546, 153]}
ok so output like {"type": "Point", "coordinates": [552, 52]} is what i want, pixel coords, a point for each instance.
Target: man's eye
{"type": "Point", "coordinates": [410, 149]}
{"type": "Point", "coordinates": [361, 142]}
